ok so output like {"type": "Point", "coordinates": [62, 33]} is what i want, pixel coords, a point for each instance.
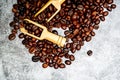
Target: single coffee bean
{"type": "Point", "coordinates": [14, 10]}
{"type": "Point", "coordinates": [73, 50]}
{"type": "Point", "coordinates": [67, 32]}
{"type": "Point", "coordinates": [55, 32]}
{"type": "Point", "coordinates": [44, 65]}
{"type": "Point", "coordinates": [109, 8]}
{"type": "Point", "coordinates": [67, 62]}
{"type": "Point", "coordinates": [62, 65]}
{"type": "Point", "coordinates": [12, 24]}
{"type": "Point", "coordinates": [71, 57]}
{"type": "Point", "coordinates": [105, 5]}
{"type": "Point", "coordinates": [50, 64]}
{"type": "Point", "coordinates": [89, 52]}
{"type": "Point", "coordinates": [14, 31]}
{"type": "Point", "coordinates": [88, 38]}
{"type": "Point", "coordinates": [61, 55]}
{"type": "Point", "coordinates": [109, 1]}
{"type": "Point", "coordinates": [97, 22]}
{"type": "Point", "coordinates": [102, 18]}
{"type": "Point", "coordinates": [21, 35]}
{"type": "Point", "coordinates": [59, 50]}
{"type": "Point", "coordinates": [78, 47]}
{"type": "Point", "coordinates": [11, 37]}
{"type": "Point", "coordinates": [35, 58]}
{"type": "Point", "coordinates": [68, 45]}
{"type": "Point", "coordinates": [56, 66]}
{"type": "Point", "coordinates": [92, 33]}
{"type": "Point", "coordinates": [47, 60]}
{"type": "Point", "coordinates": [59, 61]}
{"type": "Point", "coordinates": [96, 27]}
{"type": "Point", "coordinates": [105, 13]}
{"type": "Point", "coordinates": [66, 55]}
{"type": "Point", "coordinates": [113, 6]}
{"type": "Point", "coordinates": [36, 53]}
{"type": "Point", "coordinates": [31, 50]}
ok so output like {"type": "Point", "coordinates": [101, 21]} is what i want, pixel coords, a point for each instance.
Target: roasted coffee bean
{"type": "Point", "coordinates": [36, 53]}
{"type": "Point", "coordinates": [55, 57]}
{"type": "Point", "coordinates": [47, 60]}
{"type": "Point", "coordinates": [105, 13]}
{"type": "Point", "coordinates": [44, 65]}
{"type": "Point", "coordinates": [59, 50]}
{"type": "Point", "coordinates": [25, 41]}
{"type": "Point", "coordinates": [21, 35]}
{"type": "Point", "coordinates": [78, 47]}
{"type": "Point", "coordinates": [109, 8]}
{"type": "Point", "coordinates": [89, 52]}
{"type": "Point", "coordinates": [56, 66]}
{"type": "Point", "coordinates": [88, 38]}
{"type": "Point", "coordinates": [96, 27]}
{"type": "Point", "coordinates": [92, 33]}
{"type": "Point", "coordinates": [67, 55]}
{"type": "Point", "coordinates": [73, 50]}
{"type": "Point", "coordinates": [97, 22]}
{"type": "Point", "coordinates": [14, 31]}
{"type": "Point", "coordinates": [75, 16]}
{"type": "Point", "coordinates": [62, 65]}
{"type": "Point", "coordinates": [11, 37]}
{"type": "Point", "coordinates": [67, 33]}
{"type": "Point", "coordinates": [55, 32]}
{"type": "Point", "coordinates": [65, 50]}
{"type": "Point", "coordinates": [68, 45]}
{"type": "Point", "coordinates": [51, 64]}
{"type": "Point", "coordinates": [59, 61]}
{"type": "Point", "coordinates": [61, 54]}
{"type": "Point", "coordinates": [32, 49]}
{"type": "Point", "coordinates": [109, 1]}
{"type": "Point", "coordinates": [102, 18]}
{"type": "Point", "coordinates": [15, 6]}
{"type": "Point", "coordinates": [12, 24]}
{"type": "Point", "coordinates": [35, 58]}
{"type": "Point", "coordinates": [113, 6]}
{"type": "Point", "coordinates": [67, 62]}
{"type": "Point", "coordinates": [40, 54]}
{"type": "Point", "coordinates": [14, 10]}
{"type": "Point", "coordinates": [71, 57]}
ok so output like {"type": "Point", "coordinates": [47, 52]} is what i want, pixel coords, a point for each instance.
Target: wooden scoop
{"type": "Point", "coordinates": [59, 40]}
{"type": "Point", "coordinates": [56, 3]}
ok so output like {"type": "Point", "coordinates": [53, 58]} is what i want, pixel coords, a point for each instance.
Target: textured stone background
{"type": "Point", "coordinates": [104, 64]}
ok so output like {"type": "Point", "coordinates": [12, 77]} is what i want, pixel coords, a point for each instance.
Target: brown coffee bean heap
{"type": "Point", "coordinates": [78, 19]}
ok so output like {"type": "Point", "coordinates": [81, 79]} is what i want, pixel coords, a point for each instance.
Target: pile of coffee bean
{"type": "Point", "coordinates": [78, 19]}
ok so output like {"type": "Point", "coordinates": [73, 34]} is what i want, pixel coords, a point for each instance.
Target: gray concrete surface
{"type": "Point", "coordinates": [104, 64]}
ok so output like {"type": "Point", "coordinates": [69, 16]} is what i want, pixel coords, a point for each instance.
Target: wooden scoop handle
{"type": "Point", "coordinates": [59, 40]}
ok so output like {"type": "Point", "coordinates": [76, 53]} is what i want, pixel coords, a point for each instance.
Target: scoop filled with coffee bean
{"type": "Point", "coordinates": [59, 40]}
{"type": "Point", "coordinates": [57, 4]}
{"type": "Point", "coordinates": [77, 18]}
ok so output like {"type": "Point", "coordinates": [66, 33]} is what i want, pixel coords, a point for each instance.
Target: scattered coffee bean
{"type": "Point", "coordinates": [21, 35]}
{"type": "Point", "coordinates": [89, 52]}
{"type": "Point", "coordinates": [56, 66]}
{"type": "Point", "coordinates": [44, 65]}
{"type": "Point", "coordinates": [11, 37]}
{"type": "Point", "coordinates": [67, 62]}
{"type": "Point", "coordinates": [35, 58]}
{"type": "Point", "coordinates": [113, 6]}
{"type": "Point", "coordinates": [62, 65]}
{"type": "Point", "coordinates": [71, 57]}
